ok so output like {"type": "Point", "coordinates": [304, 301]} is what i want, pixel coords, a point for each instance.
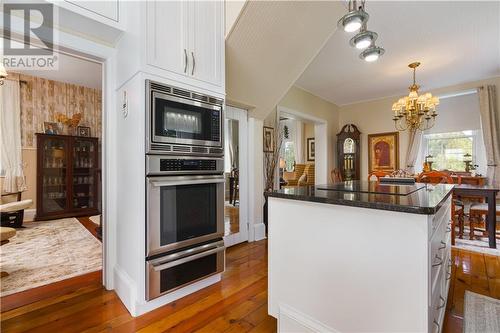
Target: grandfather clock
{"type": "Point", "coordinates": [348, 152]}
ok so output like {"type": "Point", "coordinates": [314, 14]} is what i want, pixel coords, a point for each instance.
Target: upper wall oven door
{"type": "Point", "coordinates": [177, 120]}
{"type": "Point", "coordinates": [183, 210]}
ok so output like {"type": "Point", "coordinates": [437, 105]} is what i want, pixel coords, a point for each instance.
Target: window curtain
{"type": "Point", "coordinates": [10, 124]}
{"type": "Point", "coordinates": [414, 141]}
{"type": "Point", "coordinates": [490, 123]}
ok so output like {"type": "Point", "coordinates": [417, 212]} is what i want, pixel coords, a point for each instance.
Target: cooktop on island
{"type": "Point", "coordinates": [363, 186]}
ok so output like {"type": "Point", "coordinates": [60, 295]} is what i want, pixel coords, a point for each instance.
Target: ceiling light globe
{"type": "Point", "coordinates": [353, 20]}
{"type": "Point", "coordinates": [372, 57]}
{"type": "Point", "coordinates": [363, 43]}
{"type": "Point", "coordinates": [352, 24]}
{"type": "Point", "coordinates": [372, 53]}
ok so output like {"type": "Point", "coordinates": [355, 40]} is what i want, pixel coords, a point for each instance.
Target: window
{"type": "Point", "coordinates": [288, 154]}
{"type": "Point", "coordinates": [448, 149]}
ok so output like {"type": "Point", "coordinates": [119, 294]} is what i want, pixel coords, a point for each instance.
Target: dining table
{"type": "Point", "coordinates": [486, 191]}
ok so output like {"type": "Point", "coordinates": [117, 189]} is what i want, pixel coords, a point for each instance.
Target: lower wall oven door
{"type": "Point", "coordinates": [168, 273]}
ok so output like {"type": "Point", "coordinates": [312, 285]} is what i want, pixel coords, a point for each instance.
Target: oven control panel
{"type": "Point", "coordinates": [157, 165]}
{"type": "Point", "coordinates": [187, 165]}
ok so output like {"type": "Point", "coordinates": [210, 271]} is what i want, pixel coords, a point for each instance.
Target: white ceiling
{"type": "Point", "coordinates": [456, 42]}
{"type": "Point", "coordinates": [72, 70]}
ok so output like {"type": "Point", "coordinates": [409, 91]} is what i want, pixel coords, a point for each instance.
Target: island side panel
{"type": "Point", "coordinates": [343, 268]}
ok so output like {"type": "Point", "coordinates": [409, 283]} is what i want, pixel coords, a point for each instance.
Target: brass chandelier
{"type": "Point", "coordinates": [413, 111]}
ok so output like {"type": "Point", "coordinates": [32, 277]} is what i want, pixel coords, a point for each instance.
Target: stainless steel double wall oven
{"type": "Point", "coordinates": [184, 188]}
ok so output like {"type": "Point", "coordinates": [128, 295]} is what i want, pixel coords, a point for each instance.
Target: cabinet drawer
{"type": "Point", "coordinates": [438, 304]}
{"type": "Point", "coordinates": [443, 215]}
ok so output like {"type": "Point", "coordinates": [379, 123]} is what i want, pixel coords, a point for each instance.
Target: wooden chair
{"type": "Point", "coordinates": [336, 176]}
{"type": "Point", "coordinates": [476, 220]}
{"type": "Point", "coordinates": [378, 174]}
{"type": "Point", "coordinates": [435, 177]}
{"type": "Point", "coordinates": [457, 207]}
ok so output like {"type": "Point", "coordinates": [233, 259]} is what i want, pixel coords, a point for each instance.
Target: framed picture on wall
{"type": "Point", "coordinates": [50, 127]}
{"type": "Point", "coordinates": [83, 131]}
{"type": "Point", "coordinates": [383, 152]}
{"type": "Point", "coordinates": [268, 139]}
{"type": "Point", "coordinates": [310, 149]}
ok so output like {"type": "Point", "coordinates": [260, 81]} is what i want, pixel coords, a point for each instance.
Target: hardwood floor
{"type": "Point", "coordinates": [237, 304]}
{"type": "Point", "coordinates": [479, 273]}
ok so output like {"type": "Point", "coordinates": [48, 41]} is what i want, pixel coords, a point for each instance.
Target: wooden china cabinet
{"type": "Point", "coordinates": [67, 170]}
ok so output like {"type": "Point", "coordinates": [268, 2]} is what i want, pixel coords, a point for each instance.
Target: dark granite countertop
{"type": "Point", "coordinates": [416, 198]}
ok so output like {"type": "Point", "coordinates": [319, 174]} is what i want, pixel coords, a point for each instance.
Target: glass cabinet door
{"type": "Point", "coordinates": [54, 173]}
{"type": "Point", "coordinates": [84, 166]}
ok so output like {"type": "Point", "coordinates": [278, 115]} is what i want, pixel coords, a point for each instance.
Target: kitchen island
{"type": "Point", "coordinates": [359, 256]}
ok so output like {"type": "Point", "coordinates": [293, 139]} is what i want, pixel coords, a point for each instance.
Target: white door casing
{"type": "Point", "coordinates": [241, 116]}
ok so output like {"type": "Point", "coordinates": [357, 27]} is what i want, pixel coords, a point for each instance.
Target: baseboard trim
{"type": "Point", "coordinates": [125, 289]}
{"type": "Point", "coordinates": [289, 316]}
{"type": "Point", "coordinates": [29, 215]}
{"type": "Point", "coordinates": [259, 231]}
{"type": "Point", "coordinates": [143, 307]}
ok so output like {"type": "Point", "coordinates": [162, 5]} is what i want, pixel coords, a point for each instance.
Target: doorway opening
{"type": "Point", "coordinates": [303, 156]}
{"type": "Point", "coordinates": [57, 238]}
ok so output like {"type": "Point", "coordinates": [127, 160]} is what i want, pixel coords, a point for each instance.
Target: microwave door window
{"type": "Point", "coordinates": [184, 121]}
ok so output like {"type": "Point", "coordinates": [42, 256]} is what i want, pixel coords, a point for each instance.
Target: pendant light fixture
{"type": "Point", "coordinates": [356, 19]}
{"type": "Point", "coordinates": [363, 38]}
{"type": "Point", "coordinates": [372, 53]}
{"type": "Point", "coordinates": [415, 111]}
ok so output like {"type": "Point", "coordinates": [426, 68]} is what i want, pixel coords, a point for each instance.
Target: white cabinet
{"type": "Point", "coordinates": [207, 41]}
{"type": "Point", "coordinates": [167, 35]}
{"type": "Point", "coordinates": [107, 9]}
{"type": "Point", "coordinates": [187, 39]}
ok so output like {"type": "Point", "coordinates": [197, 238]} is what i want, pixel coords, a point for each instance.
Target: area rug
{"type": "Point", "coordinates": [482, 313]}
{"type": "Point", "coordinates": [96, 219]}
{"type": "Point", "coordinates": [47, 252]}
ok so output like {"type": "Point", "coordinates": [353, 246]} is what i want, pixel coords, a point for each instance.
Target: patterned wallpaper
{"type": "Point", "coordinates": [41, 99]}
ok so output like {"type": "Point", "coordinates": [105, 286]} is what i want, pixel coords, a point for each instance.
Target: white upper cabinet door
{"type": "Point", "coordinates": [107, 9]}
{"type": "Point", "coordinates": [167, 36]}
{"type": "Point", "coordinates": [207, 41]}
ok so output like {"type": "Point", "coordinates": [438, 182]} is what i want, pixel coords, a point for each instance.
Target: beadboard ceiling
{"type": "Point", "coordinates": [456, 42]}
{"type": "Point", "coordinates": [269, 47]}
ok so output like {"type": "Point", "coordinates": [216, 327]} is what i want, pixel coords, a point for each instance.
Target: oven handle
{"type": "Point", "coordinates": [173, 182]}
{"type": "Point", "coordinates": [169, 264]}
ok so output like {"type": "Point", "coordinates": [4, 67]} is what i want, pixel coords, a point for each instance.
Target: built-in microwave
{"type": "Point", "coordinates": [183, 122]}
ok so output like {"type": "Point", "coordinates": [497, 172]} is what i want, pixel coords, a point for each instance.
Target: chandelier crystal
{"type": "Point", "coordinates": [415, 111]}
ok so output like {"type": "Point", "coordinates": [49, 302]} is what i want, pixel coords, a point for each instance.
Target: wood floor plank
{"type": "Point", "coordinates": [51, 290]}
{"type": "Point", "coordinates": [231, 317]}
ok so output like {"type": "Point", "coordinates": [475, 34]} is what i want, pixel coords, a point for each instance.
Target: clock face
{"type": "Point", "coordinates": [349, 146]}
